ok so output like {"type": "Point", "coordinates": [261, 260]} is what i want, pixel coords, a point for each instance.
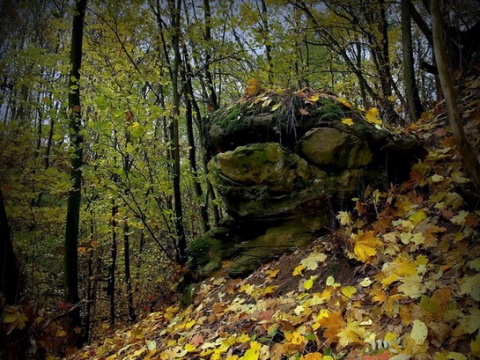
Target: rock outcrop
{"type": "Point", "coordinates": [283, 164]}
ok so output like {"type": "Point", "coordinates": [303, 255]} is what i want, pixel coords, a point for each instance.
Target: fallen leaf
{"type": "Point", "coordinates": [419, 332]}
{"type": "Point", "coordinates": [365, 245]}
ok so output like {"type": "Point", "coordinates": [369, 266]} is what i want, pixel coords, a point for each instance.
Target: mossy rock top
{"type": "Point", "coordinates": [281, 117]}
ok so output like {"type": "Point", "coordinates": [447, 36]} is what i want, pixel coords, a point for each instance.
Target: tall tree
{"type": "Point", "coordinates": [411, 89]}
{"type": "Point", "coordinates": [76, 140]}
{"type": "Point", "coordinates": [469, 156]}
{"type": "Point", "coordinates": [10, 277]}
{"type": "Point", "coordinates": [175, 7]}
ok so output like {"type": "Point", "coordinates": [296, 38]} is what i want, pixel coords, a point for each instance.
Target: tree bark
{"type": "Point", "coordinates": [11, 282]}
{"type": "Point", "coordinates": [192, 152]}
{"type": "Point", "coordinates": [212, 94]}
{"type": "Point", "coordinates": [112, 266]}
{"type": "Point", "coordinates": [470, 158]}
{"type": "Point", "coordinates": [128, 278]}
{"type": "Point", "coordinates": [181, 248]}
{"type": "Point", "coordinates": [76, 140]}
{"type": "Point", "coordinates": [411, 90]}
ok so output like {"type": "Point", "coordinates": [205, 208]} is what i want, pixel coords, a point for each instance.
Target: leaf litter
{"type": "Point", "coordinates": [398, 279]}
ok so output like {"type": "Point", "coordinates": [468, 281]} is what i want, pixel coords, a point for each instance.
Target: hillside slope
{"type": "Point", "coordinates": [398, 279]}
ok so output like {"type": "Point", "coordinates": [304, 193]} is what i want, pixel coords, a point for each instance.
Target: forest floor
{"type": "Point", "coordinates": [398, 279]}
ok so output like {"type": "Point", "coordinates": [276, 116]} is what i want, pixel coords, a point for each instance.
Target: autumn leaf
{"type": "Point", "coordinates": [332, 324]}
{"type": "Point", "coordinates": [313, 356]}
{"type": "Point", "coordinates": [307, 285]}
{"type": "Point", "coordinates": [417, 216]}
{"type": "Point", "coordinates": [352, 333]}
{"type": "Point", "coordinates": [271, 274]}
{"type": "Point", "coordinates": [469, 285]}
{"type": "Point", "coordinates": [190, 348]}
{"type": "Point", "coordinates": [366, 282]}
{"type": "Point", "coordinates": [348, 291]}
{"type": "Point", "coordinates": [372, 116]}
{"type": "Point", "coordinates": [344, 102]}
{"type": "Point", "coordinates": [347, 121]}
{"type": "Point", "coordinates": [365, 245]}
{"type": "Point", "coordinates": [475, 345]}
{"type": "Point", "coordinates": [303, 111]}
{"type": "Point", "coordinates": [331, 282]}
{"type": "Point", "coordinates": [298, 270]}
{"type": "Point", "coordinates": [344, 218]}
{"type": "Point", "coordinates": [311, 262]}
{"type": "Point", "coordinates": [419, 332]}
{"type": "Point", "coordinates": [275, 107]}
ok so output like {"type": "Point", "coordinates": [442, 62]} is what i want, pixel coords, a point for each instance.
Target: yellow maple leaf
{"type": "Point", "coordinates": [417, 216]}
{"type": "Point", "coordinates": [243, 338]}
{"type": "Point", "coordinates": [475, 345]}
{"type": "Point", "coordinates": [331, 282]}
{"type": "Point", "coordinates": [307, 285]}
{"type": "Point", "coordinates": [313, 356]}
{"type": "Point", "coordinates": [344, 218]}
{"type": "Point", "coordinates": [347, 121]}
{"type": "Point", "coordinates": [348, 291]}
{"type": "Point", "coordinates": [378, 295]}
{"type": "Point", "coordinates": [272, 273]}
{"type": "Point", "coordinates": [344, 102]}
{"type": "Point", "coordinates": [419, 332]}
{"type": "Point", "coordinates": [190, 348]}
{"type": "Point", "coordinates": [311, 262]}
{"type": "Point", "coordinates": [372, 116]}
{"type": "Point", "coordinates": [333, 324]}
{"type": "Point", "coordinates": [295, 338]}
{"type": "Point", "coordinates": [298, 270]}
{"type": "Point", "coordinates": [352, 333]}
{"type": "Point", "coordinates": [365, 245]}
{"type": "Point", "coordinates": [254, 352]}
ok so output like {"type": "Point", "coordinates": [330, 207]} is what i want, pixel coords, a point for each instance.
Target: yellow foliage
{"type": "Point", "coordinates": [254, 87]}
{"type": "Point", "coordinates": [372, 116]}
{"type": "Point", "coordinates": [365, 245]}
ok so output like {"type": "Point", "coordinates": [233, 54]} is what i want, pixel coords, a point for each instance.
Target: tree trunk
{"type": "Point", "coordinates": [76, 140]}
{"type": "Point", "coordinates": [11, 283]}
{"type": "Point", "coordinates": [112, 266]}
{"type": "Point", "coordinates": [192, 153]}
{"type": "Point", "coordinates": [268, 45]}
{"type": "Point", "coordinates": [212, 95]}
{"type": "Point", "coordinates": [383, 66]}
{"type": "Point", "coordinates": [181, 248]}
{"type": "Point", "coordinates": [470, 159]}
{"type": "Point", "coordinates": [128, 278]}
{"type": "Point", "coordinates": [411, 90]}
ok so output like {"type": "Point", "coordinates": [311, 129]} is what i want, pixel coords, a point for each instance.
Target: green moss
{"type": "Point", "coordinates": [328, 111]}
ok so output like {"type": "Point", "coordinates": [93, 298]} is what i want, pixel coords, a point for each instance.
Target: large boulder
{"type": "Point", "coordinates": [283, 164]}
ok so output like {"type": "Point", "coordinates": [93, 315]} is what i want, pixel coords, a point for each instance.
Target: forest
{"type": "Point", "coordinates": [106, 158]}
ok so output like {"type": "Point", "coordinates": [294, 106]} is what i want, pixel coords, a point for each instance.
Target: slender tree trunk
{"type": "Point", "coordinates": [88, 310]}
{"type": "Point", "coordinates": [381, 53]}
{"type": "Point", "coordinates": [175, 9]}
{"type": "Point", "coordinates": [212, 94]}
{"type": "Point", "coordinates": [192, 153]}
{"type": "Point", "coordinates": [363, 93]}
{"type": "Point", "coordinates": [113, 265]}
{"type": "Point", "coordinates": [128, 277]}
{"type": "Point", "coordinates": [268, 45]}
{"type": "Point", "coordinates": [411, 90]}
{"type": "Point", "coordinates": [11, 283]}
{"type": "Point", "coordinates": [470, 158]}
{"type": "Point", "coordinates": [74, 195]}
